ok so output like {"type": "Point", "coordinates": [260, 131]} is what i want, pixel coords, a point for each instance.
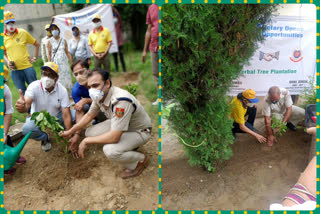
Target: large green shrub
{"type": "Point", "coordinates": [204, 48]}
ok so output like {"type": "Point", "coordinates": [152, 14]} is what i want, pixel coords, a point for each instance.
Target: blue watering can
{"type": "Point", "coordinates": [11, 154]}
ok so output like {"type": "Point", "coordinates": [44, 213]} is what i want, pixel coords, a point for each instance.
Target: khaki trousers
{"type": "Point", "coordinates": [105, 61]}
{"type": "Point", "coordinates": [155, 66]}
{"type": "Point", "coordinates": [121, 152]}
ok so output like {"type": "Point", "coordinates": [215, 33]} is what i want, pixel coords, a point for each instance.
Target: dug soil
{"type": "Point", "coordinates": [252, 179]}
{"type": "Point", "coordinates": [54, 181]}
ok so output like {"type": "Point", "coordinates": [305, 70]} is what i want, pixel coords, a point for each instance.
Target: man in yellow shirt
{"type": "Point", "coordinates": [100, 41]}
{"type": "Point", "coordinates": [241, 106]}
{"type": "Point", "coordinates": [16, 53]}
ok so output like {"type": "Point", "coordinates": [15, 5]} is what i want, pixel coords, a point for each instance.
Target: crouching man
{"type": "Point", "coordinates": [45, 94]}
{"type": "Point", "coordinates": [128, 125]}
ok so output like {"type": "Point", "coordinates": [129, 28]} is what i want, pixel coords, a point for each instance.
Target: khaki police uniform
{"type": "Point", "coordinates": [279, 109]}
{"type": "Point", "coordinates": [124, 113]}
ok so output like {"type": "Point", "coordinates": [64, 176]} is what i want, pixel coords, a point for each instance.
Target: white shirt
{"type": "Point", "coordinates": [8, 99]}
{"type": "Point", "coordinates": [53, 102]}
{"type": "Point", "coordinates": [280, 107]}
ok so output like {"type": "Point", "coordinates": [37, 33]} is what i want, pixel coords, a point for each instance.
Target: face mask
{"type": "Point", "coordinates": [250, 104]}
{"type": "Point", "coordinates": [47, 82]}
{"type": "Point", "coordinates": [55, 33]}
{"type": "Point", "coordinates": [82, 79]}
{"type": "Point", "coordinates": [115, 20]}
{"type": "Point", "coordinates": [98, 24]}
{"type": "Point", "coordinates": [95, 94]}
{"type": "Point", "coordinates": [11, 27]}
{"type": "Point", "coordinates": [75, 33]}
{"type": "Point", "coordinates": [49, 33]}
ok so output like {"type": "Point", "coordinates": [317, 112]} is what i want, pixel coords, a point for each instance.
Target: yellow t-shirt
{"type": "Point", "coordinates": [5, 71]}
{"type": "Point", "coordinates": [100, 40]}
{"type": "Point", "coordinates": [238, 111]}
{"type": "Point", "coordinates": [16, 48]}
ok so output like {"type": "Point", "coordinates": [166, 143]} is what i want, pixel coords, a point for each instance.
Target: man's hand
{"type": "Point", "coordinates": [144, 55]}
{"type": "Point", "coordinates": [261, 139]}
{"type": "Point", "coordinates": [32, 60]}
{"type": "Point", "coordinates": [82, 147]}
{"type": "Point", "coordinates": [100, 55]}
{"type": "Point", "coordinates": [276, 130]}
{"type": "Point", "coordinates": [66, 134]}
{"type": "Point", "coordinates": [73, 145]}
{"type": "Point", "coordinates": [5, 138]}
{"type": "Point", "coordinates": [270, 140]}
{"type": "Point", "coordinates": [79, 105]}
{"type": "Point", "coordinates": [11, 66]}
{"type": "Point", "coordinates": [21, 103]}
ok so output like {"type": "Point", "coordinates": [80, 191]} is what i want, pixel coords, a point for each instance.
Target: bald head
{"type": "Point", "coordinates": [274, 94]}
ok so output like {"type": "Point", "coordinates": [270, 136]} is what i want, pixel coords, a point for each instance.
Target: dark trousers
{"type": "Point", "coordinates": [251, 112]}
{"type": "Point", "coordinates": [115, 57]}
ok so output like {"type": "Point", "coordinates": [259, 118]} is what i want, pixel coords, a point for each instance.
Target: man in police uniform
{"type": "Point", "coordinates": [128, 125]}
{"type": "Point", "coordinates": [278, 103]}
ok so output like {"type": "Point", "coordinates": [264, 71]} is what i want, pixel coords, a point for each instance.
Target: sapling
{"type": "Point", "coordinates": [132, 89]}
{"type": "Point", "coordinates": [278, 124]}
{"type": "Point", "coordinates": [45, 121]}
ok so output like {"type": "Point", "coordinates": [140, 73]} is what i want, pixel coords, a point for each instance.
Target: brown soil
{"type": "Point", "coordinates": [252, 179]}
{"type": "Point", "coordinates": [54, 181]}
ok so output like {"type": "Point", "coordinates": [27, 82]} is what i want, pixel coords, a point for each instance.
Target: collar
{"type": "Point", "coordinates": [94, 30]}
{"type": "Point", "coordinates": [16, 31]}
{"type": "Point", "coordinates": [107, 101]}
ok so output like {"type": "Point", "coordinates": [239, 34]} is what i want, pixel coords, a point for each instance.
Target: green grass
{"type": "Point", "coordinates": [147, 85]}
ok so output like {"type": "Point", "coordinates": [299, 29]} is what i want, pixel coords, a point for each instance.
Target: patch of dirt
{"type": "Point", "coordinates": [51, 181]}
{"type": "Point", "coordinates": [252, 179]}
{"type": "Point", "coordinates": [125, 79]}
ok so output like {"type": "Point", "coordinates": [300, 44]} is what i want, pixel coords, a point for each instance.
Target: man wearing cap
{"type": "Point", "coordinates": [278, 103]}
{"type": "Point", "coordinates": [152, 41]}
{"type": "Point", "coordinates": [79, 46]}
{"type": "Point", "coordinates": [128, 125]}
{"type": "Point", "coordinates": [46, 94]}
{"type": "Point", "coordinates": [16, 53]}
{"type": "Point", "coordinates": [44, 44]}
{"type": "Point", "coordinates": [241, 106]}
{"type": "Point", "coordinates": [100, 41]}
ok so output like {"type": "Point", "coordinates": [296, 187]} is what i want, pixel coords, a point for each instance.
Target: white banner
{"type": "Point", "coordinates": [83, 20]}
{"type": "Point", "coordinates": [287, 57]}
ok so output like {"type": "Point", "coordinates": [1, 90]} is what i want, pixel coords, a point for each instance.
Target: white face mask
{"type": "Point", "coordinates": [98, 24]}
{"type": "Point", "coordinates": [115, 20]}
{"type": "Point", "coordinates": [55, 33]}
{"type": "Point", "coordinates": [11, 27]}
{"type": "Point", "coordinates": [250, 104]}
{"type": "Point", "coordinates": [47, 82]}
{"type": "Point", "coordinates": [95, 94]}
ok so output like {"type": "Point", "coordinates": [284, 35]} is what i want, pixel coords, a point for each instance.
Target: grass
{"type": "Point", "coordinates": [147, 85]}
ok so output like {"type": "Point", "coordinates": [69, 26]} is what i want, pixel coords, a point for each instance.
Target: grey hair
{"type": "Point", "coordinates": [274, 90]}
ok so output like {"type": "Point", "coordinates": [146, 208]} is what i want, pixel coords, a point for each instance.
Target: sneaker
{"type": "Point", "coordinates": [21, 160]}
{"type": "Point", "coordinates": [46, 145]}
{"type": "Point", "coordinates": [10, 171]}
{"type": "Point", "coordinates": [156, 102]}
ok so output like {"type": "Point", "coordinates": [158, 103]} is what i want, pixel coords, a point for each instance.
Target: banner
{"type": "Point", "coordinates": [287, 57]}
{"type": "Point", "coordinates": [83, 19]}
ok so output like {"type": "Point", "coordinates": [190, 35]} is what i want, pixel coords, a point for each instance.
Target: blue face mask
{"type": "Point", "coordinates": [55, 33]}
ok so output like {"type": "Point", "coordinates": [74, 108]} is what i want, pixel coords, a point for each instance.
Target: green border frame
{"type": "Point", "coordinates": [159, 3]}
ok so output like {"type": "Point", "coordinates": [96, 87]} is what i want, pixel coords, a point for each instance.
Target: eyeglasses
{"type": "Point", "coordinates": [49, 74]}
{"type": "Point", "coordinates": [80, 72]}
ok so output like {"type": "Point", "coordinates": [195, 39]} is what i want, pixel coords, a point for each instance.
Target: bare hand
{"type": "Point", "coordinates": [21, 103]}
{"type": "Point", "coordinates": [261, 139]}
{"type": "Point", "coordinates": [73, 145]}
{"type": "Point", "coordinates": [32, 60]}
{"type": "Point", "coordinates": [5, 138]}
{"type": "Point", "coordinates": [82, 147]}
{"type": "Point", "coordinates": [66, 134]}
{"type": "Point", "coordinates": [270, 140]}
{"type": "Point", "coordinates": [11, 66]}
{"type": "Point", "coordinates": [79, 105]}
{"type": "Point", "coordinates": [89, 62]}
{"type": "Point", "coordinates": [144, 55]}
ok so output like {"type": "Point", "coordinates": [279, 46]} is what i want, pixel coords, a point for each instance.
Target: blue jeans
{"type": "Point", "coordinates": [19, 78]}
{"type": "Point", "coordinates": [37, 134]}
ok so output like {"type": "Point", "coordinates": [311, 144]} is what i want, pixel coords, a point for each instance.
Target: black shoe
{"type": "Point", "coordinates": [291, 126]}
{"type": "Point", "coordinates": [46, 145]}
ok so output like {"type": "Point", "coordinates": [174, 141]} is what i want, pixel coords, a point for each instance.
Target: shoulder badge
{"type": "Point", "coordinates": [119, 112]}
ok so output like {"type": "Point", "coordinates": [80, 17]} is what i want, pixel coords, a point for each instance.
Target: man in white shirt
{"type": "Point", "coordinates": [46, 94]}
{"type": "Point", "coordinates": [44, 42]}
{"type": "Point", "coordinates": [278, 103]}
